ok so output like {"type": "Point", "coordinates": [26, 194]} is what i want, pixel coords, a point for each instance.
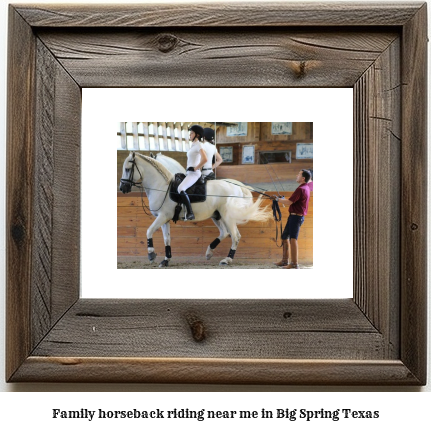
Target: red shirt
{"type": "Point", "coordinates": [299, 199]}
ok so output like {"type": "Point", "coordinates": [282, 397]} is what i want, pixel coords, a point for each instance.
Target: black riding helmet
{"type": "Point", "coordinates": [209, 134]}
{"type": "Point", "coordinates": [199, 130]}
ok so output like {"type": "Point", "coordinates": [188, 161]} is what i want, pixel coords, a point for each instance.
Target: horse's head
{"type": "Point", "coordinates": [131, 174]}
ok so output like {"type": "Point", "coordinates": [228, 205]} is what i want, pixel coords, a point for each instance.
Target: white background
{"type": "Point", "coordinates": [401, 409]}
{"type": "Point", "coordinates": [330, 110]}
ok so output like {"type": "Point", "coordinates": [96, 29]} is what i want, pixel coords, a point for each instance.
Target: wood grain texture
{"type": "Point", "coordinates": [19, 200]}
{"type": "Point", "coordinates": [67, 194]}
{"type": "Point", "coordinates": [377, 147]}
{"type": "Point", "coordinates": [220, 15]}
{"type": "Point", "coordinates": [44, 194]}
{"type": "Point", "coordinates": [251, 58]}
{"type": "Point", "coordinates": [368, 340]}
{"type": "Point", "coordinates": [57, 194]}
{"type": "Point", "coordinates": [414, 221]}
{"type": "Point", "coordinates": [216, 371]}
{"type": "Point", "coordinates": [160, 329]}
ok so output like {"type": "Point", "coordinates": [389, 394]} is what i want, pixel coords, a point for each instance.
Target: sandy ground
{"type": "Point", "coordinates": [199, 263]}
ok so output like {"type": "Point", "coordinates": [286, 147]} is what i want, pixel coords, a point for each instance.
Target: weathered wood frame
{"type": "Point", "coordinates": [378, 337]}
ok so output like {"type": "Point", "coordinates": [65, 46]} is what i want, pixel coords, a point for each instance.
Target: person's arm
{"type": "Point", "coordinates": [218, 160]}
{"type": "Point", "coordinates": [204, 159]}
{"type": "Point", "coordinates": [286, 202]}
{"type": "Point", "coordinates": [293, 198]}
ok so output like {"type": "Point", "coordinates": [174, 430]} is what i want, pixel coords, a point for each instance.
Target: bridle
{"type": "Point", "coordinates": [129, 181]}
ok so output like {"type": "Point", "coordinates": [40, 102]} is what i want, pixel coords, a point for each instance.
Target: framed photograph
{"type": "Point", "coordinates": [304, 151]}
{"type": "Point", "coordinates": [226, 153]}
{"type": "Point", "coordinates": [377, 337]}
{"type": "Point", "coordinates": [247, 155]}
{"type": "Point", "coordinates": [281, 128]}
{"type": "Point", "coordinates": [239, 130]}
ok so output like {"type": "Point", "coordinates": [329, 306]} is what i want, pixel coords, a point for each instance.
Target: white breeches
{"type": "Point", "coordinates": [189, 180]}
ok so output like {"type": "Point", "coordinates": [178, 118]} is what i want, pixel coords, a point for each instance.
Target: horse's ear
{"type": "Point", "coordinates": [152, 156]}
{"type": "Point", "coordinates": [133, 154]}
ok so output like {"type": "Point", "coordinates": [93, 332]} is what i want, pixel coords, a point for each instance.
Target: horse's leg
{"type": "Point", "coordinates": [235, 235]}
{"type": "Point", "coordinates": [166, 229]}
{"type": "Point", "coordinates": [223, 234]}
{"type": "Point", "coordinates": [157, 223]}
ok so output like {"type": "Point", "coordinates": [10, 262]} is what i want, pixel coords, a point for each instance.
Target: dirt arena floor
{"type": "Point", "coordinates": [198, 263]}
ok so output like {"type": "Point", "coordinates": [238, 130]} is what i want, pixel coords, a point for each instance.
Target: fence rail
{"type": "Point", "coordinates": [154, 136]}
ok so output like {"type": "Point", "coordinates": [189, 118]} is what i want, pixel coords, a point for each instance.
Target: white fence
{"type": "Point", "coordinates": [153, 136]}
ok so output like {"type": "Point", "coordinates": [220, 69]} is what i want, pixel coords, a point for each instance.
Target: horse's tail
{"type": "Point", "coordinates": [245, 210]}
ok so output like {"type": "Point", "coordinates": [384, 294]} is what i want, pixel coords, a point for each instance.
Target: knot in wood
{"type": "Point", "coordinates": [300, 69]}
{"type": "Point", "coordinates": [287, 314]}
{"type": "Point", "coordinates": [414, 226]}
{"type": "Point", "coordinates": [167, 42]}
{"type": "Point", "coordinates": [197, 327]}
{"type": "Point", "coordinates": [18, 233]}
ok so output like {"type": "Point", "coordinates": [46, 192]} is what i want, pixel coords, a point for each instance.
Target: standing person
{"type": "Point", "coordinates": [196, 158]}
{"type": "Point", "coordinates": [214, 158]}
{"type": "Point", "coordinates": [298, 208]}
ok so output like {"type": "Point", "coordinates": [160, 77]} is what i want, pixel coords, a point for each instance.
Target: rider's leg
{"type": "Point", "coordinates": [188, 181]}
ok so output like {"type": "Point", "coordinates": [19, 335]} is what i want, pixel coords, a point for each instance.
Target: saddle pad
{"type": "Point", "coordinates": [197, 192]}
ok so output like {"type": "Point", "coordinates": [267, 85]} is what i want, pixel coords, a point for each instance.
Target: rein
{"type": "Point", "coordinates": [145, 207]}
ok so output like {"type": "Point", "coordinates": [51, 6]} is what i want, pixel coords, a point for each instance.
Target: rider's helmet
{"type": "Point", "coordinates": [209, 135]}
{"type": "Point", "coordinates": [199, 130]}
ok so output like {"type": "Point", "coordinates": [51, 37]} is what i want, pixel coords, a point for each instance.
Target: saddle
{"type": "Point", "coordinates": [197, 192]}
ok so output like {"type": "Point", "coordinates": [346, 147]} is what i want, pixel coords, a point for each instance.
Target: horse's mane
{"type": "Point", "coordinates": [158, 166]}
{"type": "Point", "coordinates": [170, 159]}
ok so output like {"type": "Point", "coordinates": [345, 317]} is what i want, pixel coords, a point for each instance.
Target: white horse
{"type": "Point", "coordinates": [221, 196]}
{"type": "Point", "coordinates": [243, 191]}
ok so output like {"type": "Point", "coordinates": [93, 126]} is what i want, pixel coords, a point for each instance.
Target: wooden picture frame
{"type": "Point", "coordinates": [378, 337]}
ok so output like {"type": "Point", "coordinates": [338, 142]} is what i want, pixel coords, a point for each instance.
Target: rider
{"type": "Point", "coordinates": [214, 158]}
{"type": "Point", "coordinates": [196, 158]}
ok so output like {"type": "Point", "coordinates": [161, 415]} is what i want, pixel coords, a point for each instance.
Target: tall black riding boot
{"type": "Point", "coordinates": [186, 202]}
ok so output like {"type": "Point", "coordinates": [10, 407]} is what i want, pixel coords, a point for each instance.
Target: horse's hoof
{"type": "Point", "coordinates": [226, 261]}
{"type": "Point", "coordinates": [152, 256]}
{"type": "Point", "coordinates": [164, 263]}
{"type": "Point", "coordinates": [209, 253]}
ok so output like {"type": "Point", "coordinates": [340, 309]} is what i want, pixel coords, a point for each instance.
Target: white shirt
{"type": "Point", "coordinates": [194, 155]}
{"type": "Point", "coordinates": [210, 151]}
